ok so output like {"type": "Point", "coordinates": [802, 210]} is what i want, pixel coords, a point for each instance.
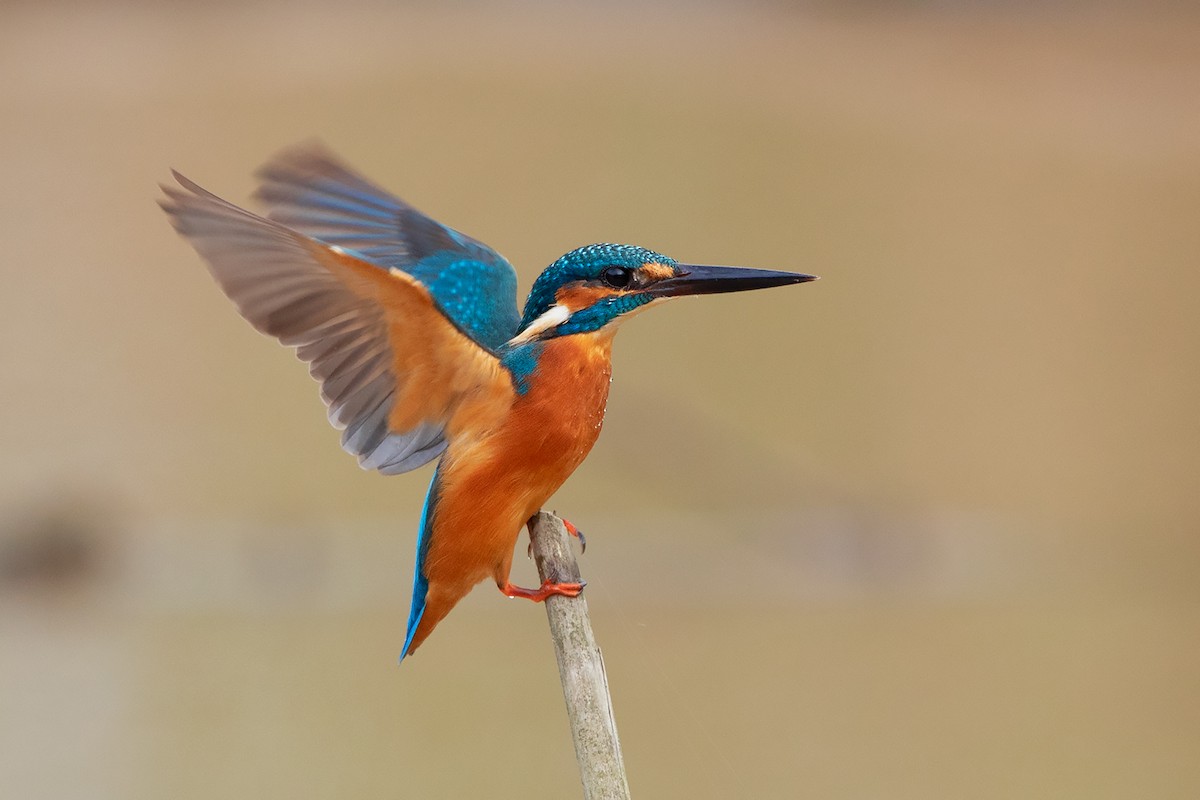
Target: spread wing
{"type": "Point", "coordinates": [307, 189]}
{"type": "Point", "coordinates": [396, 373]}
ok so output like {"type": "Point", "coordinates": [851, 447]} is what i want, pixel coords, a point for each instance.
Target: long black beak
{"type": "Point", "coordinates": [698, 279]}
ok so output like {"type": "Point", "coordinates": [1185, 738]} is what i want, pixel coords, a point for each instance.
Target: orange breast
{"type": "Point", "coordinates": [491, 482]}
{"type": "Point", "coordinates": [499, 479]}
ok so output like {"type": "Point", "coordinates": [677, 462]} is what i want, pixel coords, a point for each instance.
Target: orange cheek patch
{"type": "Point", "coordinates": [580, 297]}
{"type": "Point", "coordinates": [657, 272]}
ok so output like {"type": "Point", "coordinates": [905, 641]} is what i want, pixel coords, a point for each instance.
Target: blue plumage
{"type": "Point", "coordinates": [420, 582]}
{"type": "Point", "coordinates": [521, 361]}
{"type": "Point", "coordinates": [596, 316]}
{"type": "Point", "coordinates": [466, 288]}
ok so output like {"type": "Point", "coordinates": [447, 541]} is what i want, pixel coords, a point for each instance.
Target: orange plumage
{"type": "Point", "coordinates": [490, 485]}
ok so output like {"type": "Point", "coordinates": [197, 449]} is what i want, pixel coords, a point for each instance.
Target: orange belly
{"type": "Point", "coordinates": [491, 482]}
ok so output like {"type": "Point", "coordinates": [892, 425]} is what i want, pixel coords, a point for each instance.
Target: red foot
{"type": "Point", "coordinates": [571, 529]}
{"type": "Point", "coordinates": [578, 534]}
{"type": "Point", "coordinates": [547, 589]}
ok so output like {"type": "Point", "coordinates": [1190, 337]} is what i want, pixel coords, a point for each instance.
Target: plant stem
{"type": "Point", "coordinates": [580, 667]}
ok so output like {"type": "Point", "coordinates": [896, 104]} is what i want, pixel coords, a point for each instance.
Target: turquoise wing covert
{"type": "Point", "coordinates": [307, 189]}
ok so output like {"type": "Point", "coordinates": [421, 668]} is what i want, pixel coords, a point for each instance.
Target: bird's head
{"type": "Point", "coordinates": [597, 286]}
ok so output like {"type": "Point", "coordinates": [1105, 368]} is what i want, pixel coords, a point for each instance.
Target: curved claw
{"type": "Point", "coordinates": [578, 534]}
{"type": "Point", "coordinates": [571, 529]}
{"type": "Point", "coordinates": [547, 589]}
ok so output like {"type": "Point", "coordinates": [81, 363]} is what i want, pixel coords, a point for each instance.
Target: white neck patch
{"type": "Point", "coordinates": [551, 318]}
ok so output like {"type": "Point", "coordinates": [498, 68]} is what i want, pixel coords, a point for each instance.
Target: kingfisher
{"type": "Point", "coordinates": [412, 331]}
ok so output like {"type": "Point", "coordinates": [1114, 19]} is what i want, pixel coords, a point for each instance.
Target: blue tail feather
{"type": "Point", "coordinates": [420, 582]}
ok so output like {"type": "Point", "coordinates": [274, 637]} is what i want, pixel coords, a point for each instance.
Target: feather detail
{"type": "Point", "coordinates": [309, 190]}
{"type": "Point", "coordinates": [395, 372]}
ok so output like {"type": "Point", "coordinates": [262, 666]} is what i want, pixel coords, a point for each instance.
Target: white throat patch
{"type": "Point", "coordinates": [551, 318]}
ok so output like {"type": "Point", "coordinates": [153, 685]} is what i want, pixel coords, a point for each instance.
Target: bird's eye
{"type": "Point", "coordinates": [617, 277]}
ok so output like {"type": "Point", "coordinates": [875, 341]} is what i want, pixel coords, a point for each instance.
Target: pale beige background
{"type": "Point", "coordinates": [923, 529]}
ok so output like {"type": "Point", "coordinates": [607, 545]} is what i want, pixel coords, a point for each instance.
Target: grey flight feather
{"type": "Point", "coordinates": [272, 276]}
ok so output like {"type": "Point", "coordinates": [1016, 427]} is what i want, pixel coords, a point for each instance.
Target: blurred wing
{"type": "Point", "coordinates": [307, 189]}
{"type": "Point", "coordinates": [393, 369]}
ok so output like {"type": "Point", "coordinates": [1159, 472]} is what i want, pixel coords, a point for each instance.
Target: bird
{"type": "Point", "coordinates": [412, 331]}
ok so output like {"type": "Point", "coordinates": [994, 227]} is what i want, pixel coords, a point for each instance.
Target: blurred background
{"type": "Point", "coordinates": [925, 528]}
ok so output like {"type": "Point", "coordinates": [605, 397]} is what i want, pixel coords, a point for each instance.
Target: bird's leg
{"type": "Point", "coordinates": [571, 529]}
{"type": "Point", "coordinates": [547, 589]}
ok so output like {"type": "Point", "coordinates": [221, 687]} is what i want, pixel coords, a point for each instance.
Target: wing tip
{"type": "Point", "coordinates": [189, 184]}
{"type": "Point", "coordinates": [188, 204]}
{"type": "Point", "coordinates": [311, 149]}
{"type": "Point", "coordinates": [300, 161]}
{"type": "Point", "coordinates": [309, 176]}
{"type": "Point", "coordinates": [177, 198]}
